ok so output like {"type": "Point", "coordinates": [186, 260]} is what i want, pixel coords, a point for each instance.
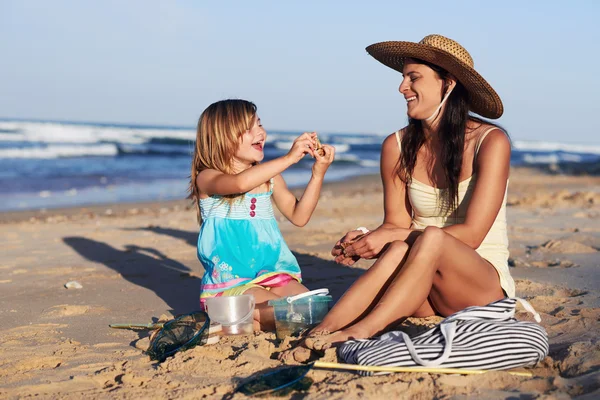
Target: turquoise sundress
{"type": "Point", "coordinates": [240, 243]}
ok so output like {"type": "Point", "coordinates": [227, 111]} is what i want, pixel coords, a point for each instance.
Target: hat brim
{"type": "Point", "coordinates": [483, 98]}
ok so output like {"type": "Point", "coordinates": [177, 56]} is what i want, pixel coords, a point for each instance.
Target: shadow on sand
{"type": "Point", "coordinates": [190, 238]}
{"type": "Point", "coordinates": [316, 272]}
{"type": "Point", "coordinates": [146, 267]}
{"type": "Point", "coordinates": [175, 283]}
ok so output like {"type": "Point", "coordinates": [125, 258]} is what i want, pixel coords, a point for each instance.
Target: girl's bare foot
{"type": "Point", "coordinates": [324, 341]}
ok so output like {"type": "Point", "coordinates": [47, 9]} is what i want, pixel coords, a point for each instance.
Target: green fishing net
{"type": "Point", "coordinates": [181, 333]}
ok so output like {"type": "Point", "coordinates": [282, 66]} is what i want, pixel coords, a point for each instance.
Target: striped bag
{"type": "Point", "coordinates": [486, 337]}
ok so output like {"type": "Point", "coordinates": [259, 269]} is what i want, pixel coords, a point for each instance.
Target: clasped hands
{"type": "Point", "coordinates": [356, 245]}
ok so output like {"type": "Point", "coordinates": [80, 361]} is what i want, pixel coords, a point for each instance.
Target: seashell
{"type": "Point", "coordinates": [73, 285]}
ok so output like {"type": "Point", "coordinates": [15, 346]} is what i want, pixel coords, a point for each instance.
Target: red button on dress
{"type": "Point", "coordinates": [252, 206]}
{"type": "Point", "coordinates": [252, 213]}
{"type": "Point", "coordinates": [253, 200]}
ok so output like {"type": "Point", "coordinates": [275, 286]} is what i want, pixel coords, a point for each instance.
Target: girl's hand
{"type": "Point", "coordinates": [369, 246]}
{"type": "Point", "coordinates": [304, 144]}
{"type": "Point", "coordinates": [323, 162]}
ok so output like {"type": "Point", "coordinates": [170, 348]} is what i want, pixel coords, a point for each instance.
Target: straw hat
{"type": "Point", "coordinates": [451, 56]}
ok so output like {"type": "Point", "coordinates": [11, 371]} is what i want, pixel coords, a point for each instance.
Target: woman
{"type": "Point", "coordinates": [443, 244]}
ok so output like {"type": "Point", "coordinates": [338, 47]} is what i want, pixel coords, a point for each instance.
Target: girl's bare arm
{"type": "Point", "coordinates": [298, 212]}
{"type": "Point", "coordinates": [210, 181]}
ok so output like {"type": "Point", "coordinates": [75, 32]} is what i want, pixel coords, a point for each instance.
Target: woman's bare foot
{"type": "Point", "coordinates": [324, 341]}
{"type": "Point", "coordinates": [300, 353]}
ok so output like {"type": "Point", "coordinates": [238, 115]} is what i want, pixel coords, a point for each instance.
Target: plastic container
{"type": "Point", "coordinates": [234, 313]}
{"type": "Point", "coordinates": [293, 314]}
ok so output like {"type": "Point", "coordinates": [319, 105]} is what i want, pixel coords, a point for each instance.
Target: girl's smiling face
{"type": "Point", "coordinates": [422, 88]}
{"type": "Point", "coordinates": [251, 145]}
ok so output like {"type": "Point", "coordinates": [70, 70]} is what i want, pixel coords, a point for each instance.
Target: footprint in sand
{"type": "Point", "coordinates": [520, 262]}
{"type": "Point", "coordinates": [65, 310]}
{"type": "Point", "coordinates": [35, 363]}
{"type": "Point", "coordinates": [554, 263]}
{"type": "Point", "coordinates": [590, 238]}
{"type": "Point", "coordinates": [534, 289]}
{"type": "Point", "coordinates": [566, 246]}
{"type": "Point", "coordinates": [19, 271]}
{"type": "Point", "coordinates": [64, 270]}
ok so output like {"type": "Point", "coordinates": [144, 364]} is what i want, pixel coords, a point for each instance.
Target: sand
{"type": "Point", "coordinates": [136, 262]}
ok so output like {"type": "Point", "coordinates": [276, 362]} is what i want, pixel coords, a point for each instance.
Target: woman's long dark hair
{"type": "Point", "coordinates": [451, 130]}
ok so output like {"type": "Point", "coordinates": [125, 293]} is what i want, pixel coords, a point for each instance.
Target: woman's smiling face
{"type": "Point", "coordinates": [422, 88]}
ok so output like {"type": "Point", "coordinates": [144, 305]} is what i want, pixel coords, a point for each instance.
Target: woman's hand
{"type": "Point", "coordinates": [323, 162]}
{"type": "Point", "coordinates": [371, 245]}
{"type": "Point", "coordinates": [304, 144]}
{"type": "Point", "coordinates": [338, 250]}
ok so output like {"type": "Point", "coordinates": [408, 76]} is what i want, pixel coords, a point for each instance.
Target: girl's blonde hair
{"type": "Point", "coordinates": [217, 139]}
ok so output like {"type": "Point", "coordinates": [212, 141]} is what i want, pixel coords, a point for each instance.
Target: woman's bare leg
{"type": "Point", "coordinates": [358, 299]}
{"type": "Point", "coordinates": [364, 292]}
{"type": "Point", "coordinates": [439, 267]}
{"type": "Point", "coordinates": [426, 310]}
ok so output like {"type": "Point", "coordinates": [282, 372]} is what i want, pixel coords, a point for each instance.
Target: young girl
{"type": "Point", "coordinates": [240, 245]}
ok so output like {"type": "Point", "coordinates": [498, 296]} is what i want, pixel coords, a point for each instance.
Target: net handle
{"type": "Point", "coordinates": [374, 368]}
{"type": "Point", "coordinates": [133, 326]}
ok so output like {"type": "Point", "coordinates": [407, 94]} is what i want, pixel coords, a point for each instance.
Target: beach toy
{"type": "Point", "coordinates": [234, 313]}
{"type": "Point", "coordinates": [182, 333]}
{"type": "Point", "coordinates": [290, 376]}
{"type": "Point", "coordinates": [214, 330]}
{"type": "Point", "coordinates": [296, 313]}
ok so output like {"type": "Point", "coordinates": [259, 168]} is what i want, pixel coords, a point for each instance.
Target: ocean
{"type": "Point", "coordinates": [50, 164]}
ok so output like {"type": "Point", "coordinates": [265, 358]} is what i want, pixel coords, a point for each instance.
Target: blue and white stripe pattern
{"type": "Point", "coordinates": [487, 337]}
{"type": "Point", "coordinates": [240, 208]}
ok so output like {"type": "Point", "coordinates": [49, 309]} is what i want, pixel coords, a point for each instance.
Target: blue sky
{"type": "Point", "coordinates": [303, 63]}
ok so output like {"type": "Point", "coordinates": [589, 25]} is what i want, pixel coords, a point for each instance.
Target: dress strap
{"type": "Point", "coordinates": [271, 185]}
{"type": "Point", "coordinates": [480, 140]}
{"type": "Point", "coordinates": [398, 140]}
